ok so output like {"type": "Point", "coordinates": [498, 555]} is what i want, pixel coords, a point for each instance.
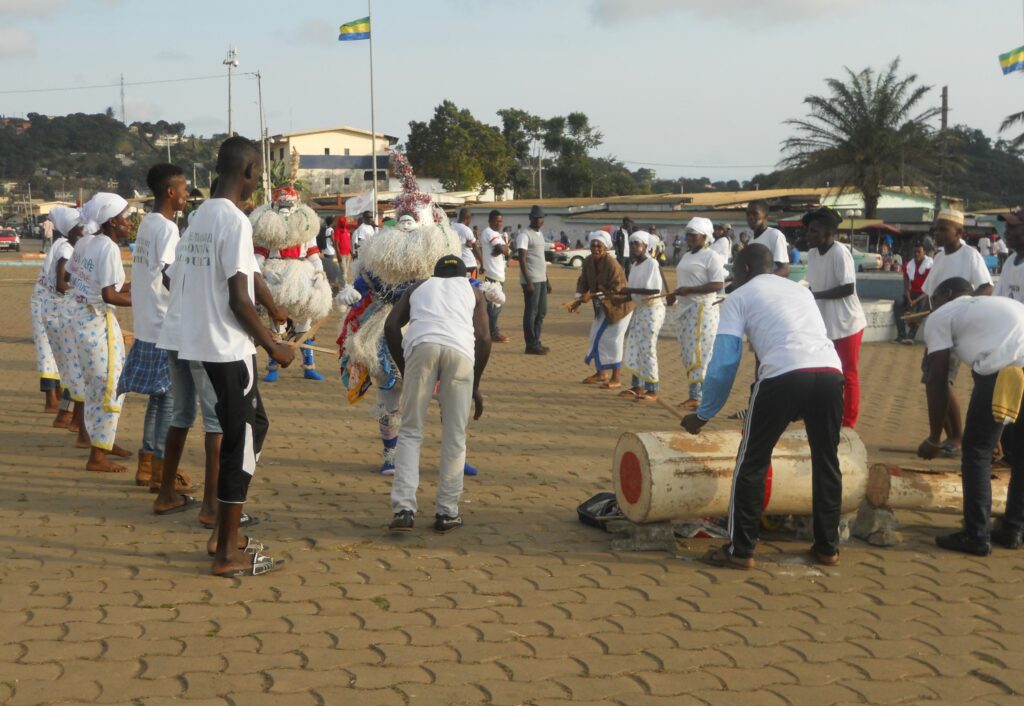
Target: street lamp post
{"type": "Point", "coordinates": [232, 63]}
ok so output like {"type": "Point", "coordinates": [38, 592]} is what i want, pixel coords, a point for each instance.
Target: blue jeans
{"type": "Point", "coordinates": [981, 432]}
{"type": "Point", "coordinates": [493, 312]}
{"type": "Point", "coordinates": [534, 311]}
{"type": "Point", "coordinates": [648, 386]}
{"type": "Point", "coordinates": [159, 412]}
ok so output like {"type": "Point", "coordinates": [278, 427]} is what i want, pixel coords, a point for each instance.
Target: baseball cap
{"type": "Point", "coordinates": [450, 266]}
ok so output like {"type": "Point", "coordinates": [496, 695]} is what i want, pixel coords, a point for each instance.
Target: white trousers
{"type": "Point", "coordinates": [427, 364]}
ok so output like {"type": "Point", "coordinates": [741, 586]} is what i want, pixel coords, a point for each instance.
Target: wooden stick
{"type": "Point", "coordinates": [311, 333]}
{"type": "Point", "coordinates": [318, 349]}
{"type": "Point", "coordinates": [669, 408]}
{"type": "Point", "coordinates": [915, 316]}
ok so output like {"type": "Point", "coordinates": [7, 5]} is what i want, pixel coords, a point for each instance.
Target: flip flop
{"type": "Point", "coordinates": [592, 380]}
{"type": "Point", "coordinates": [252, 546]}
{"type": "Point", "coordinates": [646, 398]}
{"type": "Point", "coordinates": [246, 520]}
{"type": "Point", "coordinates": [260, 565]}
{"type": "Point", "coordinates": [628, 394]}
{"type": "Point", "coordinates": [722, 559]}
{"type": "Point", "coordinates": [190, 502]}
{"type": "Point", "coordinates": [690, 404]}
{"type": "Point", "coordinates": [611, 386]}
{"type": "Point", "coordinates": [949, 451]}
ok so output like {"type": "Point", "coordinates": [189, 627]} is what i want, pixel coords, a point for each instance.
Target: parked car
{"type": "Point", "coordinates": [9, 240]}
{"type": "Point", "coordinates": [571, 258]}
{"type": "Point", "coordinates": [863, 261]}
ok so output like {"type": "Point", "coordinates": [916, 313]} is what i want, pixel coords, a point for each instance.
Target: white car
{"type": "Point", "coordinates": [571, 258]}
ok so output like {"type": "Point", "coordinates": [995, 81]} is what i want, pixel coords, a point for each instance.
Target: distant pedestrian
{"type": "Point", "coordinates": [365, 230]}
{"type": "Point", "coordinates": [620, 242]}
{"type": "Point", "coordinates": [644, 288]}
{"type": "Point", "coordinates": [47, 231]}
{"type": "Point", "coordinates": [721, 243]}
{"type": "Point", "coordinates": [343, 241]}
{"type": "Point", "coordinates": [533, 276]}
{"type": "Point", "coordinates": [914, 299]}
{"type": "Point", "coordinates": [471, 254]}
{"type": "Point", "coordinates": [495, 247]}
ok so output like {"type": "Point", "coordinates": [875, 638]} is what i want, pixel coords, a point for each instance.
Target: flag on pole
{"type": "Point", "coordinates": [1012, 60]}
{"type": "Point", "coordinates": [356, 29]}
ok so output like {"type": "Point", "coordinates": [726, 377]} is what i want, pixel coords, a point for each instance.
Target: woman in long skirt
{"type": "Point", "coordinates": [700, 275]}
{"type": "Point", "coordinates": [98, 285]}
{"type": "Point", "coordinates": [644, 288]}
{"type": "Point", "coordinates": [601, 277]}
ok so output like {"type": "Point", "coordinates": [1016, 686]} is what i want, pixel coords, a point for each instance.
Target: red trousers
{"type": "Point", "coordinates": [849, 354]}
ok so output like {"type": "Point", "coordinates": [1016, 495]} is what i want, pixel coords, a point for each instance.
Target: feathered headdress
{"type": "Point", "coordinates": [411, 200]}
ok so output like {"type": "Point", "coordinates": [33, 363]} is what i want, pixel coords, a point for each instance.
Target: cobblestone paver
{"type": "Point", "coordinates": [103, 602]}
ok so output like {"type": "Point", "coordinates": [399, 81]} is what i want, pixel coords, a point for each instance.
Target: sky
{"type": "Point", "coordinates": [686, 87]}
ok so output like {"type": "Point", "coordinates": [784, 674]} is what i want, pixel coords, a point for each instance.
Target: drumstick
{"type": "Point", "coordinates": [669, 408]}
{"type": "Point", "coordinates": [318, 349]}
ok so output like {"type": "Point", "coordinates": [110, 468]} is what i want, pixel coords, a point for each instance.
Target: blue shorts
{"type": "Point", "coordinates": [191, 384]}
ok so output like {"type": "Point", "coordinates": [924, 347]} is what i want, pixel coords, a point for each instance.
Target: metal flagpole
{"type": "Point", "coordinates": [373, 123]}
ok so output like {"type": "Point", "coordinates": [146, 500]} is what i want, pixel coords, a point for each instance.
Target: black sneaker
{"type": "Point", "coordinates": [403, 522]}
{"type": "Point", "coordinates": [536, 351]}
{"type": "Point", "coordinates": [1011, 539]}
{"type": "Point", "coordinates": [444, 523]}
{"type": "Point", "coordinates": [962, 542]}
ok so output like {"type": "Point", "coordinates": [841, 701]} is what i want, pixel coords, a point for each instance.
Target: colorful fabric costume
{"type": "Point", "coordinates": [389, 262]}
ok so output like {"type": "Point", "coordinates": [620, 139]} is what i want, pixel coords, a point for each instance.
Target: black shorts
{"type": "Point", "coordinates": [244, 423]}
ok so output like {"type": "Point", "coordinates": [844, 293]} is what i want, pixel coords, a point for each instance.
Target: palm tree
{"type": "Point", "coordinates": [868, 132]}
{"type": "Point", "coordinates": [1011, 120]}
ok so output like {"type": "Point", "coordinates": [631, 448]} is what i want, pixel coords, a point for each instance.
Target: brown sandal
{"type": "Point", "coordinates": [690, 405]}
{"type": "Point", "coordinates": [722, 559]}
{"type": "Point", "coordinates": [593, 380]}
{"type": "Point", "coordinates": [611, 386]}
{"type": "Point", "coordinates": [629, 394]}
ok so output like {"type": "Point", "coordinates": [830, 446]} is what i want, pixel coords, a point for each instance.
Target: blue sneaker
{"type": "Point", "coordinates": [468, 470]}
{"type": "Point", "coordinates": [387, 469]}
{"type": "Point", "coordinates": [272, 372]}
{"type": "Point", "coordinates": [311, 374]}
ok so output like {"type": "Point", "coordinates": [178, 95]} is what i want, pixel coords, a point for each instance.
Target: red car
{"type": "Point", "coordinates": [9, 240]}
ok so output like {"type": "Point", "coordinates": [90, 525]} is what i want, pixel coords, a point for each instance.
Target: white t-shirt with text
{"type": "Point", "coordinates": [95, 265]}
{"type": "Point", "coordinates": [843, 317]}
{"type": "Point", "coordinates": [987, 333]}
{"type": "Point", "coordinates": [155, 242]}
{"type": "Point", "coordinates": [216, 246]}
{"type": "Point", "coordinates": [494, 265]}
{"type": "Point", "coordinates": [783, 324]}
{"type": "Point", "coordinates": [1011, 280]}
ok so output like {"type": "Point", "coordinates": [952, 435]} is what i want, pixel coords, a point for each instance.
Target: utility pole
{"type": "Point", "coordinates": [263, 141]}
{"type": "Point", "coordinates": [942, 149]}
{"type": "Point", "coordinates": [232, 63]}
{"type": "Point", "coordinates": [124, 120]}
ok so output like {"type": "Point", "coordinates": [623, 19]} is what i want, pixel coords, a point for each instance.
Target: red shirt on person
{"type": "Point", "coordinates": [342, 236]}
{"type": "Point", "coordinates": [917, 273]}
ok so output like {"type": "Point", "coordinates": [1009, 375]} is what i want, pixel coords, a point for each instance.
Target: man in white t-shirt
{"type": "Point", "coordinates": [471, 254]}
{"type": "Point", "coordinates": [364, 231]}
{"type": "Point", "coordinates": [987, 333]}
{"type": "Point", "coordinates": [771, 238]}
{"type": "Point", "coordinates": [1011, 276]}
{"type": "Point", "coordinates": [495, 247]}
{"type": "Point", "coordinates": [218, 280]}
{"type": "Point", "coordinates": [146, 370]}
{"type": "Point", "coordinates": [533, 276]}
{"type": "Point", "coordinates": [832, 279]}
{"type": "Point", "coordinates": [984, 246]}
{"type": "Point", "coordinates": [954, 259]}
{"type": "Point", "coordinates": [446, 344]}
{"type": "Point", "coordinates": [799, 376]}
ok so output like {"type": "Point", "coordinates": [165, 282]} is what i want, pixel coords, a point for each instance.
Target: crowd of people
{"type": "Point", "coordinates": [422, 302]}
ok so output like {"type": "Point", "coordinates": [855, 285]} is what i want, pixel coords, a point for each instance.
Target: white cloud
{"type": "Point", "coordinates": [15, 41]}
{"type": "Point", "coordinates": [620, 10]}
{"type": "Point", "coordinates": [315, 32]}
{"type": "Point", "coordinates": [31, 8]}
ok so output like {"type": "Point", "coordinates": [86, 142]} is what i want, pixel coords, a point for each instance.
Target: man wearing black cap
{"type": "Point", "coordinates": [833, 281]}
{"type": "Point", "coordinates": [447, 342]}
{"type": "Point", "coordinates": [533, 276]}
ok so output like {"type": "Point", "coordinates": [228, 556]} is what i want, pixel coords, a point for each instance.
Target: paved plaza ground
{"type": "Point", "coordinates": [101, 601]}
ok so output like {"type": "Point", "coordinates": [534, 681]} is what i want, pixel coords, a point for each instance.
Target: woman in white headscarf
{"type": "Point", "coordinates": [98, 285]}
{"type": "Point", "coordinates": [644, 288]}
{"type": "Point", "coordinates": [46, 365]}
{"type": "Point", "coordinates": [700, 275]}
{"type": "Point", "coordinates": [600, 278]}
{"type": "Point", "coordinates": [67, 224]}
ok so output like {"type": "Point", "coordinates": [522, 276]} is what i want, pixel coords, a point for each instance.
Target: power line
{"type": "Point", "coordinates": [117, 85]}
{"type": "Point", "coordinates": [699, 166]}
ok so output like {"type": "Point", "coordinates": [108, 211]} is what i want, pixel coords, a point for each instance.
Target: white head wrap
{"type": "Point", "coordinates": [65, 218]}
{"type": "Point", "coordinates": [601, 237]}
{"type": "Point", "coordinates": [642, 236]}
{"type": "Point", "coordinates": [101, 208]}
{"type": "Point", "coordinates": [702, 226]}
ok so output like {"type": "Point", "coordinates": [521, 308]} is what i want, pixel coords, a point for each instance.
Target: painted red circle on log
{"type": "Point", "coordinates": [630, 478]}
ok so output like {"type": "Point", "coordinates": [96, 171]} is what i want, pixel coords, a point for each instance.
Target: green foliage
{"type": "Point", "coordinates": [93, 152]}
{"type": "Point", "coordinates": [867, 132]}
{"type": "Point", "coordinates": [458, 149]}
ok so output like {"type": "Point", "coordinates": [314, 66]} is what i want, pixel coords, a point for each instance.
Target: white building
{"type": "Point", "coordinates": [335, 160]}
